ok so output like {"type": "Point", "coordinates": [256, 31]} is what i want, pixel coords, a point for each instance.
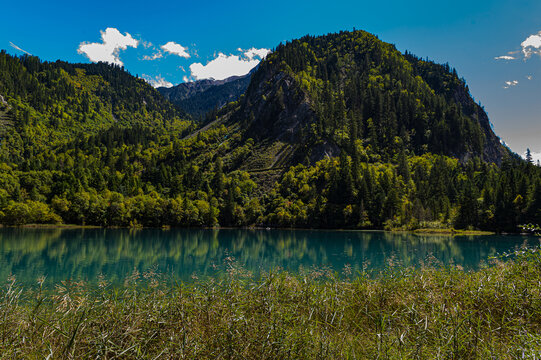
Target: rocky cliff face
{"type": "Point", "coordinates": [276, 110]}
{"type": "Point", "coordinates": [493, 151]}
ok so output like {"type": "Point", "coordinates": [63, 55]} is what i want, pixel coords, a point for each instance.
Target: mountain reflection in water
{"type": "Point", "coordinates": [84, 254]}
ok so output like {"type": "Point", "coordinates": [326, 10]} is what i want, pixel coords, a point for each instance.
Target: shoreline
{"type": "Point", "coordinates": [51, 226]}
{"type": "Point", "coordinates": [453, 232]}
{"type": "Point", "coordinates": [427, 231]}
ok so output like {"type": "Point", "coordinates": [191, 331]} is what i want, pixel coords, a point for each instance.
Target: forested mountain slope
{"type": "Point", "coordinates": [355, 92]}
{"type": "Point", "coordinates": [54, 103]}
{"type": "Point", "coordinates": [200, 97]}
{"type": "Point", "coordinates": [334, 131]}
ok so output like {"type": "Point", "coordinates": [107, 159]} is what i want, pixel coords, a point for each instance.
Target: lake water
{"type": "Point", "coordinates": [84, 254]}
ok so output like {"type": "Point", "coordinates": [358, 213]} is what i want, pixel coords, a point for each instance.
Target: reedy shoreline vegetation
{"type": "Point", "coordinates": [427, 313]}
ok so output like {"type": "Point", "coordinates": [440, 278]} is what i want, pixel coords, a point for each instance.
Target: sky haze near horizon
{"type": "Point", "coordinates": [494, 45]}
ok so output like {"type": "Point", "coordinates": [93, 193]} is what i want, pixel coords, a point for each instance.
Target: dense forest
{"type": "Point", "coordinates": [361, 91]}
{"type": "Point", "coordinates": [338, 131]}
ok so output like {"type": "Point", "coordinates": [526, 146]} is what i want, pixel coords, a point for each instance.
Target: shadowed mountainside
{"type": "Point", "coordinates": [200, 97]}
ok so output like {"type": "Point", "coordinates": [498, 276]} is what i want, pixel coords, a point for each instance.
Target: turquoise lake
{"type": "Point", "coordinates": [84, 254]}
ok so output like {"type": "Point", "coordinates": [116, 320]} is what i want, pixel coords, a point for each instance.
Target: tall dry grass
{"type": "Point", "coordinates": [402, 313]}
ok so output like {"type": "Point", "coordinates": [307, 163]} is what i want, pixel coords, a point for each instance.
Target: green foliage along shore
{"type": "Point", "coordinates": [401, 313]}
{"type": "Point", "coordinates": [339, 131]}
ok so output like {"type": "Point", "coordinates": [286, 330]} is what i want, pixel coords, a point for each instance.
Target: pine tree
{"type": "Point", "coordinates": [468, 213]}
{"type": "Point", "coordinates": [403, 166]}
{"type": "Point", "coordinates": [218, 180]}
{"type": "Point", "coordinates": [529, 156]}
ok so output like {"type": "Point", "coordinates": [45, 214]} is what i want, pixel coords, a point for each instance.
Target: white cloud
{"type": "Point", "coordinates": [224, 66]}
{"type": "Point", "coordinates": [146, 44]}
{"type": "Point", "coordinates": [511, 83]}
{"type": "Point", "coordinates": [532, 45]}
{"type": "Point", "coordinates": [261, 53]}
{"type": "Point", "coordinates": [18, 48]}
{"type": "Point", "coordinates": [175, 49]}
{"type": "Point", "coordinates": [157, 81]}
{"type": "Point", "coordinates": [108, 50]}
{"type": "Point", "coordinates": [155, 56]}
{"type": "Point", "coordinates": [505, 57]}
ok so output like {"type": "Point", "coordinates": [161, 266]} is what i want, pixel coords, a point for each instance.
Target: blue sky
{"type": "Point", "coordinates": [217, 37]}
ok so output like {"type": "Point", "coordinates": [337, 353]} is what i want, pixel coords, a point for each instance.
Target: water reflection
{"type": "Point", "coordinates": [85, 253]}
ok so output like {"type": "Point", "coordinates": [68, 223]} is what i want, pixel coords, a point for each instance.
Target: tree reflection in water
{"type": "Point", "coordinates": [84, 254]}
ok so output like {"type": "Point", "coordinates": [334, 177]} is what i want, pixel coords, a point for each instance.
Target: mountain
{"type": "Point", "coordinates": [52, 103]}
{"type": "Point", "coordinates": [199, 97]}
{"type": "Point", "coordinates": [317, 96]}
{"type": "Point", "coordinates": [335, 131]}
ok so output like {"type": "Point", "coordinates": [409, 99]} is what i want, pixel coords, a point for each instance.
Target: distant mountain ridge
{"type": "Point", "coordinates": [197, 98]}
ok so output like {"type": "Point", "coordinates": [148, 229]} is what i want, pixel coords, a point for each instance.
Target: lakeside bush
{"type": "Point", "coordinates": [401, 313]}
